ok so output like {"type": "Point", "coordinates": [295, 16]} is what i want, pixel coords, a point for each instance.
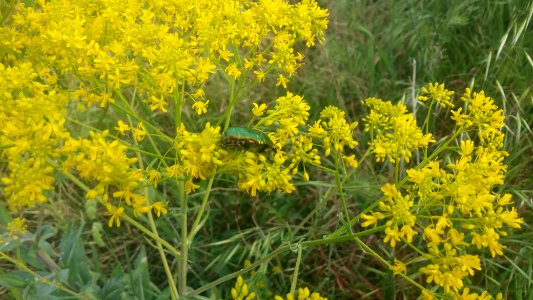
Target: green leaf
{"type": "Point", "coordinates": [73, 256]}
{"type": "Point", "coordinates": [17, 279]}
{"type": "Point", "coordinates": [140, 277]}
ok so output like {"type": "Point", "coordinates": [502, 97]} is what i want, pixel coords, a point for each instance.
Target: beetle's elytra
{"type": "Point", "coordinates": [251, 139]}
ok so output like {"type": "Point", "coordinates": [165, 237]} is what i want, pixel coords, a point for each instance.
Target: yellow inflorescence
{"type": "Point", "coordinates": [59, 55]}
{"type": "Point", "coordinates": [302, 294]}
{"type": "Point", "coordinates": [240, 291]}
{"type": "Point", "coordinates": [454, 206]}
{"type": "Point", "coordinates": [394, 131]}
{"type": "Point", "coordinates": [86, 54]}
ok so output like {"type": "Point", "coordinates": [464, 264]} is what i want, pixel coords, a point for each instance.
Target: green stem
{"type": "Point", "coordinates": [340, 231]}
{"type": "Point", "coordinates": [427, 125]}
{"type": "Point", "coordinates": [322, 167]}
{"type": "Point", "coordinates": [194, 228]}
{"type": "Point", "coordinates": [386, 263]}
{"type": "Point", "coordinates": [58, 286]}
{"type": "Point", "coordinates": [170, 278]}
{"type": "Point", "coordinates": [151, 235]}
{"type": "Point", "coordinates": [397, 169]}
{"type": "Point", "coordinates": [184, 244]}
{"type": "Point", "coordinates": [296, 270]}
{"type": "Point", "coordinates": [231, 103]}
{"type": "Point", "coordinates": [426, 122]}
{"type": "Point", "coordinates": [174, 294]}
{"type": "Point", "coordinates": [280, 250]}
{"type": "Point", "coordinates": [178, 101]}
{"type": "Point", "coordinates": [433, 155]}
{"type": "Point", "coordinates": [127, 218]}
{"type": "Point", "coordinates": [130, 112]}
{"type": "Point", "coordinates": [414, 248]}
{"type": "Point", "coordinates": [341, 194]}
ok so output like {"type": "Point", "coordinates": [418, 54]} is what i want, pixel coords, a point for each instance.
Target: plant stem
{"type": "Point", "coordinates": [434, 154]}
{"type": "Point", "coordinates": [341, 194]}
{"type": "Point", "coordinates": [280, 250]}
{"type": "Point", "coordinates": [125, 217]}
{"type": "Point", "coordinates": [397, 170]}
{"type": "Point", "coordinates": [174, 294]}
{"type": "Point", "coordinates": [178, 101]}
{"type": "Point", "coordinates": [231, 103]}
{"type": "Point", "coordinates": [59, 286]}
{"type": "Point", "coordinates": [427, 125]}
{"type": "Point", "coordinates": [386, 263]}
{"type": "Point", "coordinates": [340, 231]}
{"type": "Point", "coordinates": [194, 228]}
{"type": "Point", "coordinates": [170, 278]}
{"type": "Point", "coordinates": [184, 244]}
{"type": "Point", "coordinates": [150, 234]}
{"type": "Point", "coordinates": [296, 270]}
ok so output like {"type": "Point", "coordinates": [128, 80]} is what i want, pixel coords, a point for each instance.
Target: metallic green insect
{"type": "Point", "coordinates": [250, 139]}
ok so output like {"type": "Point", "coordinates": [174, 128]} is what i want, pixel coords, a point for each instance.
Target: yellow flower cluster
{"type": "Point", "coordinates": [198, 155]}
{"type": "Point", "coordinates": [16, 227]}
{"type": "Point", "coordinates": [294, 145]}
{"type": "Point", "coordinates": [483, 116]}
{"type": "Point", "coordinates": [264, 172]}
{"type": "Point", "coordinates": [303, 294]}
{"type": "Point", "coordinates": [32, 115]}
{"type": "Point", "coordinates": [465, 295]}
{"type": "Point", "coordinates": [393, 131]}
{"type": "Point", "coordinates": [240, 291]}
{"type": "Point", "coordinates": [334, 130]}
{"type": "Point", "coordinates": [57, 55]}
{"type": "Point", "coordinates": [202, 155]}
{"type": "Point", "coordinates": [455, 207]}
{"type": "Point", "coordinates": [397, 208]}
{"type": "Point", "coordinates": [437, 93]}
{"type": "Point", "coordinates": [113, 173]}
{"type": "Point", "coordinates": [162, 47]}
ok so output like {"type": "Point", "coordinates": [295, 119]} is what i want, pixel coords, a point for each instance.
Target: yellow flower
{"type": "Point", "coordinates": [510, 218]}
{"type": "Point", "coordinates": [153, 177]}
{"type": "Point", "coordinates": [350, 161]}
{"type": "Point", "coordinates": [200, 107]}
{"type": "Point", "coordinates": [240, 291]}
{"type": "Point", "coordinates": [427, 295]}
{"type": "Point", "coordinates": [140, 132]}
{"type": "Point", "coordinates": [115, 213]}
{"type": "Point", "coordinates": [159, 208]}
{"type": "Point", "coordinates": [392, 236]}
{"type": "Point", "coordinates": [396, 134]}
{"type": "Point", "coordinates": [259, 110]}
{"type": "Point", "coordinates": [336, 133]}
{"type": "Point", "coordinates": [371, 219]}
{"type": "Point", "coordinates": [233, 71]}
{"type": "Point", "coordinates": [190, 186]}
{"type": "Point", "coordinates": [17, 227]}
{"type": "Point", "coordinates": [199, 93]}
{"type": "Point", "coordinates": [248, 63]}
{"type": "Point", "coordinates": [466, 295]}
{"type": "Point", "coordinates": [489, 239]}
{"type": "Point", "coordinates": [303, 294]}
{"type": "Point", "coordinates": [158, 103]}
{"type": "Point", "coordinates": [398, 267]}
{"type": "Point", "coordinates": [122, 127]}
{"type": "Point", "coordinates": [260, 75]}
{"type": "Point", "coordinates": [282, 80]}
{"type": "Point", "coordinates": [437, 93]}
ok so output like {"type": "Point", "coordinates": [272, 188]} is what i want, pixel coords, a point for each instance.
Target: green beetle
{"type": "Point", "coordinates": [251, 139]}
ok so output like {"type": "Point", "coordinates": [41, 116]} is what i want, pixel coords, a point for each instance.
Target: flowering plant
{"type": "Point", "coordinates": [121, 100]}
